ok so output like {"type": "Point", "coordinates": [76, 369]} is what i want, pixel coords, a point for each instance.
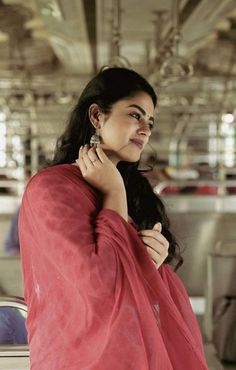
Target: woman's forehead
{"type": "Point", "coordinates": [139, 100]}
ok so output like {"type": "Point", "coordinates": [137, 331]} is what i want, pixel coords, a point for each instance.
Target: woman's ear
{"type": "Point", "coordinates": [95, 115]}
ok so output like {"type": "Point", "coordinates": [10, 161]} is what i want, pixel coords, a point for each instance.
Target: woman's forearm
{"type": "Point", "coordinates": [117, 201]}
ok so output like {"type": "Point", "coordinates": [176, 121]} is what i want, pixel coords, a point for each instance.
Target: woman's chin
{"type": "Point", "coordinates": [130, 158]}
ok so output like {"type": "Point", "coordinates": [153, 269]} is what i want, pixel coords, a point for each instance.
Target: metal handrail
{"type": "Point", "coordinates": [8, 183]}
{"type": "Point", "coordinates": [220, 185]}
{"type": "Point", "coordinates": [16, 302]}
{"type": "Point", "coordinates": [12, 350]}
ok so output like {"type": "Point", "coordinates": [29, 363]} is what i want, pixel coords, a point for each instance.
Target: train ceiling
{"type": "Point", "coordinates": [50, 48]}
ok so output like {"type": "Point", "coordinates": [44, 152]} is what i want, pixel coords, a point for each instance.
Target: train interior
{"type": "Point", "coordinates": [187, 50]}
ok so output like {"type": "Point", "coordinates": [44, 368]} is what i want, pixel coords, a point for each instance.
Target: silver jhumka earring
{"type": "Point", "coordinates": [95, 140]}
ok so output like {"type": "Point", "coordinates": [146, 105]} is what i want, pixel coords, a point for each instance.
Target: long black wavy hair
{"type": "Point", "coordinates": [105, 89]}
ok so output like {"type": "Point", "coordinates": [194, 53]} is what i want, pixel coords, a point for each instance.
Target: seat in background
{"type": "Point", "coordinates": [221, 277]}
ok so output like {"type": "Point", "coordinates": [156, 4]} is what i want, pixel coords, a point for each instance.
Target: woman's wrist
{"type": "Point", "coordinates": [117, 201]}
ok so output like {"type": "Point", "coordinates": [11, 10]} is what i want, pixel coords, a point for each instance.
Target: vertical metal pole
{"type": "Point", "coordinates": [34, 141]}
{"type": "Point", "coordinates": [116, 28]}
{"type": "Point", "coordinates": [176, 26]}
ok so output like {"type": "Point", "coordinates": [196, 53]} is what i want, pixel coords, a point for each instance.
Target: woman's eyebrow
{"type": "Point", "coordinates": [142, 111]}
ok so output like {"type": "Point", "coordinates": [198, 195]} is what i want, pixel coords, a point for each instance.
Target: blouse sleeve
{"type": "Point", "coordinates": [64, 235]}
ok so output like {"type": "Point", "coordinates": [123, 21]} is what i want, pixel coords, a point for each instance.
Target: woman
{"type": "Point", "coordinates": [96, 245]}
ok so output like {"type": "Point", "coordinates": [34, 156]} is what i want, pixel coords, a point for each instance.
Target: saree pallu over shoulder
{"type": "Point", "coordinates": [95, 299]}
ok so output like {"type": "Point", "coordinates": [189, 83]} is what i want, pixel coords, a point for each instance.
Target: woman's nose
{"type": "Point", "coordinates": [144, 129]}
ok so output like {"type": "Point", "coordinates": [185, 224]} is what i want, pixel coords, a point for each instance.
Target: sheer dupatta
{"type": "Point", "coordinates": [96, 300]}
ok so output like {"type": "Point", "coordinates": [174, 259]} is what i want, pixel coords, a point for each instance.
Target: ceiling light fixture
{"type": "Point", "coordinates": [227, 118]}
{"type": "Point", "coordinates": [176, 67]}
{"type": "Point", "coordinates": [51, 8]}
{"type": "Point", "coordinates": [117, 60]}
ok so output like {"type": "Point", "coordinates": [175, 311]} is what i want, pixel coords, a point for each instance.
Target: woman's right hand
{"type": "Point", "coordinates": [99, 171]}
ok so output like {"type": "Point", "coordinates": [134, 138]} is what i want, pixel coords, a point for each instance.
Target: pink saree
{"type": "Point", "coordinates": [95, 299]}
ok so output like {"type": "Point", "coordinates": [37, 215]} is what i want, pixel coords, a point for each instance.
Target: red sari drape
{"type": "Point", "coordinates": [95, 299]}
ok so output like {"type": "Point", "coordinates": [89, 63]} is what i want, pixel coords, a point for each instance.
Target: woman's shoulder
{"type": "Point", "coordinates": [61, 183]}
{"type": "Point", "coordinates": [56, 175]}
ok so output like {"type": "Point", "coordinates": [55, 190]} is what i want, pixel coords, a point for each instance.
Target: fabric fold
{"type": "Point", "coordinates": [96, 301]}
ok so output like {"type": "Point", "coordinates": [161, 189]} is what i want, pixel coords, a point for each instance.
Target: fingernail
{"type": "Point", "coordinates": [158, 226]}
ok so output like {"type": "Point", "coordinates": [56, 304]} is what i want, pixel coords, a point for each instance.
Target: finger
{"type": "Point", "coordinates": [86, 159]}
{"type": "Point", "coordinates": [82, 166]}
{"type": "Point", "coordinates": [158, 227]}
{"type": "Point", "coordinates": [156, 236]}
{"type": "Point", "coordinates": [84, 150]}
{"type": "Point", "coordinates": [81, 149]}
{"type": "Point", "coordinates": [101, 155]}
{"type": "Point", "coordinates": [157, 247]}
{"type": "Point", "coordinates": [93, 155]}
{"type": "Point", "coordinates": [80, 162]}
{"type": "Point", "coordinates": [80, 152]}
{"type": "Point", "coordinates": [159, 259]}
{"type": "Point", "coordinates": [155, 256]}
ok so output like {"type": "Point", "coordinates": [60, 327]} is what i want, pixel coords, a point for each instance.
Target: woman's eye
{"type": "Point", "coordinates": [136, 115]}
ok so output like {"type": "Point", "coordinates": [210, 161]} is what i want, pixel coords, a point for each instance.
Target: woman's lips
{"type": "Point", "coordinates": [138, 143]}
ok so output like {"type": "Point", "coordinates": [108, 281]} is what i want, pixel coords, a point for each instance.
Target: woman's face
{"type": "Point", "coordinates": [126, 129]}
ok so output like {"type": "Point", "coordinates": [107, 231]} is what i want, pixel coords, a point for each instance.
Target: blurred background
{"type": "Point", "coordinates": [186, 49]}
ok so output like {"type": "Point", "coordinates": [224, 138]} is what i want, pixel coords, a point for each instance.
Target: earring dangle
{"type": "Point", "coordinates": [95, 140]}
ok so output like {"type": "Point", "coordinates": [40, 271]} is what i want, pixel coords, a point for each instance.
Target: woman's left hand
{"type": "Point", "coordinates": [157, 245]}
